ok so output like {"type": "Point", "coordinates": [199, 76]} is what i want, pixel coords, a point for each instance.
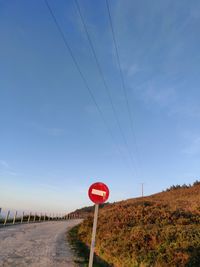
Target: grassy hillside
{"type": "Point", "coordinates": [159, 230]}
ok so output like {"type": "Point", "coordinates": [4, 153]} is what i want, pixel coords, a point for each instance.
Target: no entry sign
{"type": "Point", "coordinates": [98, 193]}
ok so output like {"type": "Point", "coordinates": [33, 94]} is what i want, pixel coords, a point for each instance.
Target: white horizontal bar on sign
{"type": "Point", "coordinates": [98, 192]}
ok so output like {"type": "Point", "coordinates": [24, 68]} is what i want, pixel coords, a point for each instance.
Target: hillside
{"type": "Point", "coordinates": [158, 230]}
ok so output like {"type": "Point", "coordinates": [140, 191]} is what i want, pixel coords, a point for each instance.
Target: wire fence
{"type": "Point", "coordinates": [10, 217]}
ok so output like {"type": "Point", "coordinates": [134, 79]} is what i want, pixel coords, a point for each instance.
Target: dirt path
{"type": "Point", "coordinates": [35, 245]}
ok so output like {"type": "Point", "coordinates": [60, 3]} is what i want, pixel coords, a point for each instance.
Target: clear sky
{"type": "Point", "coordinates": [53, 140]}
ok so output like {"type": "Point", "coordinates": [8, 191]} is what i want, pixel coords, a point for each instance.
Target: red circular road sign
{"type": "Point", "coordinates": [98, 193]}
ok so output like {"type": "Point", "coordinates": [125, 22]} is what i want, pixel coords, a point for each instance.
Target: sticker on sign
{"type": "Point", "coordinates": [98, 192]}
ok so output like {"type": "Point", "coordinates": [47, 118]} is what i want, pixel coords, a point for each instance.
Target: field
{"type": "Point", "coordinates": [159, 230]}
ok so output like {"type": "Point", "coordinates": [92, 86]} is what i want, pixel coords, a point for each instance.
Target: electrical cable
{"type": "Point", "coordinates": [103, 79]}
{"type": "Point", "coordinates": [82, 75]}
{"type": "Point", "coordinates": [121, 76]}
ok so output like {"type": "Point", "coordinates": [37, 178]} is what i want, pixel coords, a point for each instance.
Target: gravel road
{"type": "Point", "coordinates": [34, 245]}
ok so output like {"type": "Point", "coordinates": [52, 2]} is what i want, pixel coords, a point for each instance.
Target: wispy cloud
{"type": "Point", "coordinates": [193, 148]}
{"type": "Point", "coordinates": [53, 131]}
{"type": "Point", "coordinates": [186, 110]}
{"type": "Point", "coordinates": [162, 97]}
{"type": "Point", "coordinates": [168, 98]}
{"type": "Point", "coordinates": [6, 169]}
{"type": "Point", "coordinates": [152, 93]}
{"type": "Point", "coordinates": [50, 187]}
{"type": "Point", "coordinates": [91, 109]}
{"type": "Point", "coordinates": [4, 164]}
{"type": "Point", "coordinates": [131, 69]}
{"type": "Point", "coordinates": [159, 55]}
{"type": "Point", "coordinates": [12, 173]}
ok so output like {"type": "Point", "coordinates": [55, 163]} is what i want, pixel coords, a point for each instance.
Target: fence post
{"type": "Point", "coordinates": [6, 218]}
{"type": "Point", "coordinates": [15, 217]}
{"type": "Point", "coordinates": [49, 217]}
{"type": "Point", "coordinates": [29, 217]}
{"type": "Point", "coordinates": [22, 217]}
{"type": "Point", "coordinates": [34, 217]}
{"type": "Point", "coordinates": [40, 217]}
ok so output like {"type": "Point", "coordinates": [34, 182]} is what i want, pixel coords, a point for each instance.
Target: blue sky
{"type": "Point", "coordinates": [53, 141]}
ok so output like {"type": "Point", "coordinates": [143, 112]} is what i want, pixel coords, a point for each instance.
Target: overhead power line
{"type": "Point", "coordinates": [103, 79]}
{"type": "Point", "coordinates": [81, 74]}
{"type": "Point", "coordinates": [121, 75]}
{"type": "Point", "coordinates": [119, 64]}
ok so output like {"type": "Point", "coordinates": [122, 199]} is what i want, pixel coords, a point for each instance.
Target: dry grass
{"type": "Point", "coordinates": [159, 230]}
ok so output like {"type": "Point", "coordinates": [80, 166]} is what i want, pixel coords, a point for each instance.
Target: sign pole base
{"type": "Point", "coordinates": [93, 235]}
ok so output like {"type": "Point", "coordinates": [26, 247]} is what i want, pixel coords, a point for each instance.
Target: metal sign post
{"type": "Point", "coordinates": [93, 235]}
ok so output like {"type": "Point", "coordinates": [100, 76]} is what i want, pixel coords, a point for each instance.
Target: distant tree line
{"type": "Point", "coordinates": [174, 187]}
{"type": "Point", "coordinates": [89, 209]}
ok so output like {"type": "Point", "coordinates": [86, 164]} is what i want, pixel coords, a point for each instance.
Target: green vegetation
{"type": "Point", "coordinates": [82, 251]}
{"type": "Point", "coordinates": [84, 212]}
{"type": "Point", "coordinates": [159, 230]}
{"type": "Point", "coordinates": [174, 187]}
